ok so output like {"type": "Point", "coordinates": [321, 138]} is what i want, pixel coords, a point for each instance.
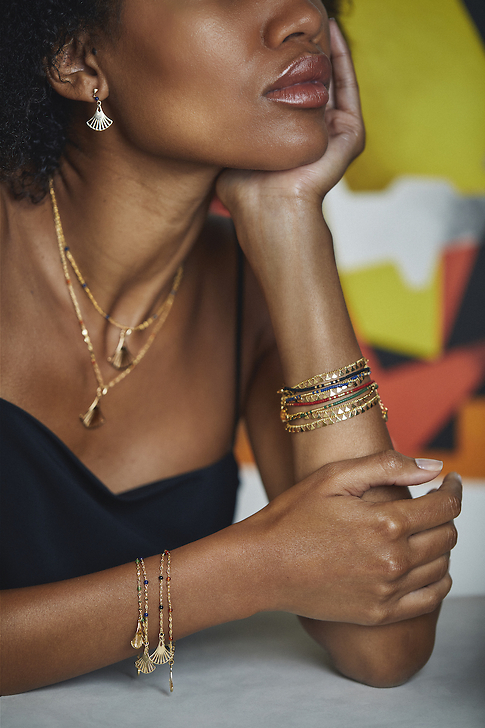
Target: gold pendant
{"type": "Point", "coordinates": [144, 664]}
{"type": "Point", "coordinates": [161, 654]}
{"type": "Point", "coordinates": [137, 640]}
{"type": "Point", "coordinates": [121, 358]}
{"type": "Point", "coordinates": [93, 418]}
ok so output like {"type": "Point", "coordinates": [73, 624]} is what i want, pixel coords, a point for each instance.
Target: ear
{"type": "Point", "coordinates": [76, 72]}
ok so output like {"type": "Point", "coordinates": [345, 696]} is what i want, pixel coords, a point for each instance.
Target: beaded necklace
{"type": "Point", "coordinates": [121, 359]}
{"type": "Point", "coordinates": [93, 417]}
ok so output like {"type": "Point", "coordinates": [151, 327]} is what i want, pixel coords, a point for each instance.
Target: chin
{"type": "Point", "coordinates": [297, 146]}
{"type": "Point", "coordinates": [293, 156]}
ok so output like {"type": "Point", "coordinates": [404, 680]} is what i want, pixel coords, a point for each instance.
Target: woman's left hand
{"type": "Point", "coordinates": [311, 182]}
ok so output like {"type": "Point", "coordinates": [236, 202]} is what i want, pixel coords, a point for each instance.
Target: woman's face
{"type": "Point", "coordinates": [191, 80]}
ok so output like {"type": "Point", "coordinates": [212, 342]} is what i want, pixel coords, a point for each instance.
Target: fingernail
{"type": "Point", "coordinates": [429, 464]}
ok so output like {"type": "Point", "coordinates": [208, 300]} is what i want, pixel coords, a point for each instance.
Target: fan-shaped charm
{"type": "Point", "coordinates": [99, 122]}
{"type": "Point", "coordinates": [161, 654]}
{"type": "Point", "coordinates": [137, 640]}
{"type": "Point", "coordinates": [93, 417]}
{"type": "Point", "coordinates": [121, 358]}
{"type": "Point", "coordinates": [144, 663]}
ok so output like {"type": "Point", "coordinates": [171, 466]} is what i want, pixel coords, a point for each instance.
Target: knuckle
{"type": "Point", "coordinates": [384, 591]}
{"type": "Point", "coordinates": [443, 567]}
{"type": "Point", "coordinates": [377, 615]}
{"type": "Point", "coordinates": [436, 596]}
{"type": "Point", "coordinates": [391, 462]}
{"type": "Point", "coordinates": [394, 567]}
{"type": "Point", "coordinates": [452, 537]}
{"type": "Point", "coordinates": [454, 504]}
{"type": "Point", "coordinates": [390, 526]}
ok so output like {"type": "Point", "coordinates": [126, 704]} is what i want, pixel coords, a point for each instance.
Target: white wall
{"type": "Point", "coordinates": [468, 557]}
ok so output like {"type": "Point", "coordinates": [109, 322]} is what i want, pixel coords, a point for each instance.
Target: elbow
{"type": "Point", "coordinates": [385, 664]}
{"type": "Point", "coordinates": [381, 657]}
{"type": "Point", "coordinates": [383, 675]}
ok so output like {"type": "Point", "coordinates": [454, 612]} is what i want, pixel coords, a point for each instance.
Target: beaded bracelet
{"type": "Point", "coordinates": [334, 416]}
{"type": "Point", "coordinates": [334, 402]}
{"type": "Point", "coordinates": [161, 655]}
{"type": "Point", "coordinates": [350, 392]}
{"type": "Point", "coordinates": [171, 643]}
{"type": "Point", "coordinates": [341, 396]}
{"type": "Point", "coordinates": [334, 375]}
{"type": "Point", "coordinates": [143, 663]}
{"type": "Point", "coordinates": [310, 395]}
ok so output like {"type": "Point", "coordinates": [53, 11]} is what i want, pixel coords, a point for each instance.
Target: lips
{"type": "Point", "coordinates": [304, 84]}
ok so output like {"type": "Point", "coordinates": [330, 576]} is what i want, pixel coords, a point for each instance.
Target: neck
{"type": "Point", "coordinates": [129, 226]}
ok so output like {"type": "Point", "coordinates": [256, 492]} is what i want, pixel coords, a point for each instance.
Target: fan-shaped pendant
{"type": "Point", "coordinates": [137, 640]}
{"type": "Point", "coordinates": [122, 357]}
{"type": "Point", "coordinates": [144, 664]}
{"type": "Point", "coordinates": [99, 122]}
{"type": "Point", "coordinates": [93, 417]}
{"type": "Point", "coordinates": [161, 654]}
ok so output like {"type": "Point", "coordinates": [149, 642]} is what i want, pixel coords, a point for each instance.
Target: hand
{"type": "Point", "coordinates": [332, 556]}
{"type": "Point", "coordinates": [346, 137]}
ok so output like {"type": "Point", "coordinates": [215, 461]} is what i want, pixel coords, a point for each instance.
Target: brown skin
{"type": "Point", "coordinates": [133, 202]}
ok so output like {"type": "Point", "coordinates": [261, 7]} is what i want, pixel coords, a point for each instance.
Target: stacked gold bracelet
{"type": "Point", "coordinates": [343, 393]}
{"type": "Point", "coordinates": [164, 651]}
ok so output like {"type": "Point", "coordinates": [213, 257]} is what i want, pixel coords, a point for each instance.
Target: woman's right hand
{"type": "Point", "coordinates": [330, 555]}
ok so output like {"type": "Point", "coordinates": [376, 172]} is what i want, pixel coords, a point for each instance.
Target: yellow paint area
{"type": "Point", "coordinates": [391, 315]}
{"type": "Point", "coordinates": [421, 70]}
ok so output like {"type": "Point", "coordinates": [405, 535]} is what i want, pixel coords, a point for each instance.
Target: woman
{"type": "Point", "coordinates": [137, 370]}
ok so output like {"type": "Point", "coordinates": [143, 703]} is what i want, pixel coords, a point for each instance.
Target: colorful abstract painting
{"type": "Point", "coordinates": [409, 221]}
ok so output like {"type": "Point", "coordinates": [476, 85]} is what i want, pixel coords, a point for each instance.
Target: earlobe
{"type": "Point", "coordinates": [75, 72]}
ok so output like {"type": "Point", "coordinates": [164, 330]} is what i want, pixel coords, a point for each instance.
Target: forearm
{"type": "Point", "coordinates": [314, 335]}
{"type": "Point", "coordinates": [310, 319]}
{"type": "Point", "coordinates": [57, 631]}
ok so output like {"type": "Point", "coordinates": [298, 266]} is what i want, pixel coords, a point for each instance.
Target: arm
{"type": "Point", "coordinates": [285, 557]}
{"type": "Point", "coordinates": [290, 556]}
{"type": "Point", "coordinates": [279, 224]}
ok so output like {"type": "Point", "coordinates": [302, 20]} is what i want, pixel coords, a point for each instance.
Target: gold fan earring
{"type": "Point", "coordinates": [99, 122]}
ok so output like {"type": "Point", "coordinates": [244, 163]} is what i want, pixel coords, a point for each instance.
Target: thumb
{"type": "Point", "coordinates": [356, 476]}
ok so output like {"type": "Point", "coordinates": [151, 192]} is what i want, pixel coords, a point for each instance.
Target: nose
{"type": "Point", "coordinates": [292, 19]}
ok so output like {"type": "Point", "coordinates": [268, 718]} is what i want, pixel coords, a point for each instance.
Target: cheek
{"type": "Point", "coordinates": [196, 96]}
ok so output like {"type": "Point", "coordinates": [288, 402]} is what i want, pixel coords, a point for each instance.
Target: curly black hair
{"type": "Point", "coordinates": [34, 119]}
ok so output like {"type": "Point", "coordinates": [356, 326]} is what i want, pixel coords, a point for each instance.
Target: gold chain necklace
{"type": "Point", "coordinates": [93, 417]}
{"type": "Point", "coordinates": [121, 359]}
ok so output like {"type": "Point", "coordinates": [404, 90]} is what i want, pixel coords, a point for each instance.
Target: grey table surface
{"type": "Point", "coordinates": [266, 672]}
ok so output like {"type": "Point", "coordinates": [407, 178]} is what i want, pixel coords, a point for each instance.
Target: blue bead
{"type": "Point", "coordinates": [146, 581]}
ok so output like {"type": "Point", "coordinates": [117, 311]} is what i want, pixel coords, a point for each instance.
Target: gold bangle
{"type": "Point", "coordinates": [310, 397]}
{"type": "Point", "coordinates": [339, 414]}
{"type": "Point", "coordinates": [315, 413]}
{"type": "Point", "coordinates": [336, 374]}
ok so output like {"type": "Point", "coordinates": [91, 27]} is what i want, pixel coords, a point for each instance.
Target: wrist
{"type": "Point", "coordinates": [218, 579]}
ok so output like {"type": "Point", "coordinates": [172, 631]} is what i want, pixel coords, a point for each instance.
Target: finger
{"type": "Point", "coordinates": [429, 511]}
{"type": "Point", "coordinates": [423, 576]}
{"type": "Point", "coordinates": [421, 601]}
{"type": "Point", "coordinates": [345, 92]}
{"type": "Point", "coordinates": [429, 545]}
{"type": "Point", "coordinates": [355, 477]}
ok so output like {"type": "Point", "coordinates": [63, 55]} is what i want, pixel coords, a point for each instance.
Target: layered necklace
{"type": "Point", "coordinates": [121, 358]}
